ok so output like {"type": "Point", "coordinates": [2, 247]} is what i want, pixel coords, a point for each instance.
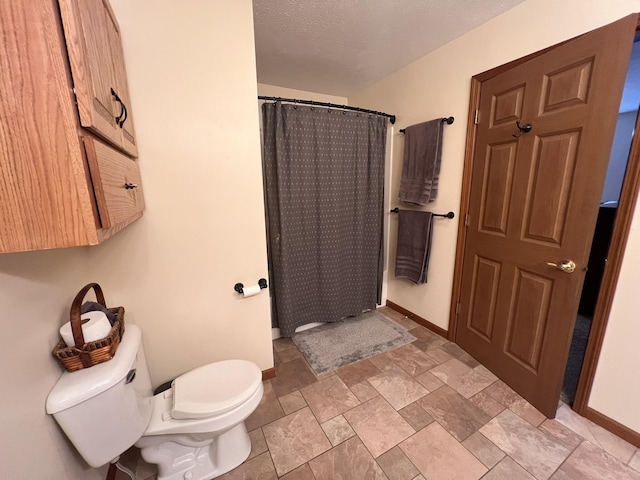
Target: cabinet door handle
{"type": "Point", "coordinates": [130, 186]}
{"type": "Point", "coordinates": [126, 115]}
{"type": "Point", "coordinates": [123, 109]}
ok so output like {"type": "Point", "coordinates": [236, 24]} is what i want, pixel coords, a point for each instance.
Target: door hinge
{"type": "Point", "coordinates": [458, 308]}
{"type": "Point", "coordinates": [475, 118]}
{"type": "Point", "coordinates": [466, 220]}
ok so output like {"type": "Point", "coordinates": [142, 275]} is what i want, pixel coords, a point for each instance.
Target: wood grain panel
{"type": "Point", "coordinates": [567, 87]}
{"type": "Point", "coordinates": [44, 197]}
{"type": "Point", "coordinates": [527, 320]}
{"type": "Point", "coordinates": [97, 64]}
{"type": "Point", "coordinates": [86, 34]}
{"type": "Point", "coordinates": [484, 294]}
{"type": "Point", "coordinates": [552, 173]}
{"type": "Point", "coordinates": [110, 172]}
{"type": "Point", "coordinates": [506, 107]}
{"type": "Point", "coordinates": [496, 188]}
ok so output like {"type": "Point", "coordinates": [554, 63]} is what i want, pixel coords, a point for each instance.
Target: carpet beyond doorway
{"type": "Point", "coordinates": [334, 345]}
{"type": "Point", "coordinates": [576, 358]}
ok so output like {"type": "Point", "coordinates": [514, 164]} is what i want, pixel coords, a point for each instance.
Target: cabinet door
{"type": "Point", "coordinates": [97, 67]}
{"type": "Point", "coordinates": [116, 184]}
{"type": "Point", "coordinates": [122, 89]}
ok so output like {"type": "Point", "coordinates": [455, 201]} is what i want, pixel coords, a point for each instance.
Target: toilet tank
{"type": "Point", "coordinates": [106, 408]}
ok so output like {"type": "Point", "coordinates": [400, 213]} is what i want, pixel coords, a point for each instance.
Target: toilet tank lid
{"type": "Point", "coordinates": [214, 388]}
{"type": "Point", "coordinates": [76, 387]}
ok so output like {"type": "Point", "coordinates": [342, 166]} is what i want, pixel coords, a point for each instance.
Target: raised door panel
{"type": "Point", "coordinates": [496, 188]}
{"type": "Point", "coordinates": [527, 320]}
{"type": "Point", "coordinates": [506, 106]}
{"type": "Point", "coordinates": [567, 87]}
{"type": "Point", "coordinates": [484, 294]}
{"type": "Point", "coordinates": [552, 175]}
{"type": "Point", "coordinates": [116, 183]}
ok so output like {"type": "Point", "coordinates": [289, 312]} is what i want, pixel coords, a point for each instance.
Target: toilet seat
{"type": "Point", "coordinates": [215, 388]}
{"type": "Point", "coordinates": [162, 423]}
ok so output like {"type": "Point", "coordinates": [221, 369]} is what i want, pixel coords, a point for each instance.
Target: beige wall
{"type": "Point", "coordinates": [275, 91]}
{"type": "Point", "coordinates": [438, 85]}
{"type": "Point", "coordinates": [191, 69]}
{"type": "Point", "coordinates": [616, 389]}
{"type": "Point", "coordinates": [36, 290]}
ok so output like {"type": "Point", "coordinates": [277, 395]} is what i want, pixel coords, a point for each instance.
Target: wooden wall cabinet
{"type": "Point", "coordinates": [68, 176]}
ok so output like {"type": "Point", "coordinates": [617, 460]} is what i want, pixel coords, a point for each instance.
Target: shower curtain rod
{"type": "Point", "coordinates": [392, 118]}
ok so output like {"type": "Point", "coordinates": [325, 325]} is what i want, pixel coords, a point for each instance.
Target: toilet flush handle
{"type": "Point", "coordinates": [131, 375]}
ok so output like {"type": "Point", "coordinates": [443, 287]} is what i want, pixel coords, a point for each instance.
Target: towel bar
{"type": "Point", "coordinates": [447, 120]}
{"type": "Point", "coordinates": [446, 215]}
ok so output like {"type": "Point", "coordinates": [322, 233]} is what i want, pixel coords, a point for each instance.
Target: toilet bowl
{"type": "Point", "coordinates": [197, 426]}
{"type": "Point", "coordinates": [193, 431]}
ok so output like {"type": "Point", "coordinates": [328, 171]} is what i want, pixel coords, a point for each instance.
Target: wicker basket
{"type": "Point", "coordinates": [90, 353]}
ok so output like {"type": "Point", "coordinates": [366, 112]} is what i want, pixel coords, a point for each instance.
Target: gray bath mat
{"type": "Point", "coordinates": [334, 345]}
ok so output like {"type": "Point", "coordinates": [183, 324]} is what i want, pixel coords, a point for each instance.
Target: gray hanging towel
{"type": "Point", "coordinates": [421, 162]}
{"type": "Point", "coordinates": [414, 245]}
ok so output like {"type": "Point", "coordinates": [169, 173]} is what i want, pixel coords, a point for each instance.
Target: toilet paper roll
{"type": "Point", "coordinates": [251, 291]}
{"type": "Point", "coordinates": [95, 325]}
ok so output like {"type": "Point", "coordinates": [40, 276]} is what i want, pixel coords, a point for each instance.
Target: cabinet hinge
{"type": "Point", "coordinates": [458, 308]}
{"type": "Point", "coordinates": [475, 118]}
{"type": "Point", "coordinates": [466, 220]}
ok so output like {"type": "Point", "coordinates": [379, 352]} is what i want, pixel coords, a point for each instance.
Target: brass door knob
{"type": "Point", "coordinates": [567, 266]}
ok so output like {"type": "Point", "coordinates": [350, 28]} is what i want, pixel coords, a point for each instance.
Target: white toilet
{"type": "Point", "coordinates": [193, 431]}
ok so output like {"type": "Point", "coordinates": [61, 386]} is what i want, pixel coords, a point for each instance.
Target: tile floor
{"type": "Point", "coordinates": [425, 411]}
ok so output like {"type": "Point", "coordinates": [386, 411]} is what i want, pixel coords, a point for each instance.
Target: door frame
{"type": "Point", "coordinates": [626, 206]}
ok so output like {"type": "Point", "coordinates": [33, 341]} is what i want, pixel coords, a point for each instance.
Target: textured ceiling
{"type": "Point", "coordinates": [339, 47]}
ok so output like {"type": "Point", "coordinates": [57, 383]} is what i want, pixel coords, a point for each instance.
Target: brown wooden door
{"type": "Point", "coordinates": [534, 201]}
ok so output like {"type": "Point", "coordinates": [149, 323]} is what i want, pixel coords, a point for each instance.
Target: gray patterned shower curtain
{"type": "Point", "coordinates": [324, 182]}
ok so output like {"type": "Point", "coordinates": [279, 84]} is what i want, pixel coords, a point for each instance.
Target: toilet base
{"type": "Point", "coordinates": [188, 457]}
